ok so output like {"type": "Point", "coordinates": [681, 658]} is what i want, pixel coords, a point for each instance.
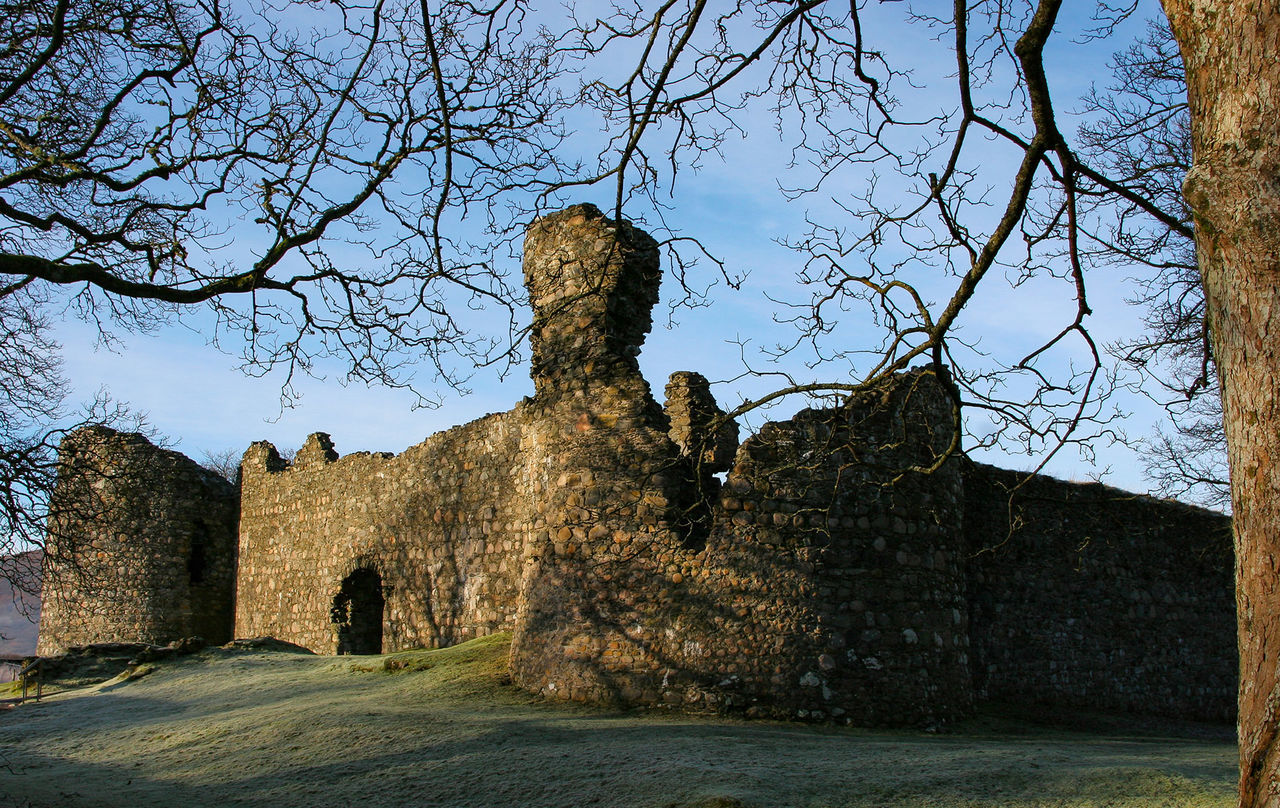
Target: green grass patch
{"type": "Point", "coordinates": [475, 670]}
{"type": "Point", "coordinates": [482, 657]}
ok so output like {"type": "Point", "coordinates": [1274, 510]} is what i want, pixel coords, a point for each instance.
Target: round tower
{"type": "Point", "coordinates": [141, 545]}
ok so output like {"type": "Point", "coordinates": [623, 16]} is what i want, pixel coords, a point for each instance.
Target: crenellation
{"type": "Point", "coordinates": [262, 456]}
{"type": "Point", "coordinates": [844, 570]}
{"type": "Point", "coordinates": [317, 450]}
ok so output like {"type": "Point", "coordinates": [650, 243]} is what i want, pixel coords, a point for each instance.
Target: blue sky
{"type": "Point", "coordinates": [197, 396]}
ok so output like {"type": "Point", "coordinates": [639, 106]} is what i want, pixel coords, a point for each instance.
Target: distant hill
{"type": "Point", "coordinates": [18, 618]}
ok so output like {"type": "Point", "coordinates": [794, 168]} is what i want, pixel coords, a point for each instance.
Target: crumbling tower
{"type": "Point", "coordinates": [141, 545]}
{"type": "Point", "coordinates": [795, 592]}
{"type": "Point", "coordinates": [599, 463]}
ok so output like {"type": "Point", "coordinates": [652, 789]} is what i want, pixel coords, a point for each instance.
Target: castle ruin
{"type": "Point", "coordinates": [640, 556]}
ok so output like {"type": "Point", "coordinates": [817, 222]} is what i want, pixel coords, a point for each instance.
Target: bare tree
{"type": "Point", "coordinates": [838, 104]}
{"type": "Point", "coordinates": [28, 472]}
{"type": "Point", "coordinates": [138, 136]}
{"type": "Point", "coordinates": [225, 463]}
{"type": "Point", "coordinates": [1232, 190]}
{"type": "Point", "coordinates": [1139, 134]}
{"type": "Point", "coordinates": [301, 170]}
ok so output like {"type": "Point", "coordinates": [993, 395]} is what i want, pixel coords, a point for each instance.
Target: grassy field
{"type": "Point", "coordinates": [443, 728]}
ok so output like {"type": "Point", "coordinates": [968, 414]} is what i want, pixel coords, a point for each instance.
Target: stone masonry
{"type": "Point", "coordinates": [1088, 596]}
{"type": "Point", "coordinates": [141, 546]}
{"type": "Point", "coordinates": [834, 566]}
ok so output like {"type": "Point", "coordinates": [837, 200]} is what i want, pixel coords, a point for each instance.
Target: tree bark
{"type": "Point", "coordinates": [1232, 54]}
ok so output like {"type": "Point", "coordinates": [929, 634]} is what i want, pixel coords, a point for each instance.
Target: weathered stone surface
{"type": "Point", "coordinates": [592, 284]}
{"type": "Point", "coordinates": [1082, 595]}
{"type": "Point", "coordinates": [441, 524]}
{"type": "Point", "coordinates": [141, 546]}
{"type": "Point", "coordinates": [835, 574]}
{"type": "Point", "coordinates": [698, 426]}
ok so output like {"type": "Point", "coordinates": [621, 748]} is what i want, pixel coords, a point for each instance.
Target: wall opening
{"type": "Point", "coordinates": [196, 562]}
{"type": "Point", "coordinates": [357, 613]}
{"type": "Point", "coordinates": [691, 512]}
{"type": "Point", "coordinates": [693, 525]}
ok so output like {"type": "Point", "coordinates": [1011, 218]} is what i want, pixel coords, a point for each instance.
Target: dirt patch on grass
{"type": "Point", "coordinates": [445, 728]}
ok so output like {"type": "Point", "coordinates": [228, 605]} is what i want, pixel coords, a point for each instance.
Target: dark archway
{"type": "Point", "coordinates": [357, 613]}
{"type": "Point", "coordinates": [197, 562]}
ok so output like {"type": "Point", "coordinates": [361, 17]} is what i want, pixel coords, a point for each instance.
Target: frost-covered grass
{"type": "Point", "coordinates": [444, 728]}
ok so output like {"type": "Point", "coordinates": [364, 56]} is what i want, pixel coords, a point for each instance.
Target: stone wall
{"type": "Point", "coordinates": [848, 502]}
{"type": "Point", "coordinates": [590, 521]}
{"type": "Point", "coordinates": [829, 586]}
{"type": "Point", "coordinates": [141, 545]}
{"type": "Point", "coordinates": [781, 597]}
{"type": "Point", "coordinates": [1099, 598]}
{"type": "Point", "coordinates": [439, 524]}
{"type": "Point", "coordinates": [838, 565]}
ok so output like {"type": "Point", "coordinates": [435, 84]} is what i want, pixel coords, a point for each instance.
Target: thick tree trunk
{"type": "Point", "coordinates": [1232, 54]}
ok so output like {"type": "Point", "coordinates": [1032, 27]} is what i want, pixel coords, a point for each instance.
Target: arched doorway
{"type": "Point", "coordinates": [357, 613]}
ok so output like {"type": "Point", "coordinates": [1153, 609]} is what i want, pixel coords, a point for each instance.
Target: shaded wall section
{"type": "Point", "coordinates": [791, 593]}
{"type": "Point", "coordinates": [1083, 595]}
{"type": "Point", "coordinates": [862, 494]}
{"type": "Point", "coordinates": [828, 587]}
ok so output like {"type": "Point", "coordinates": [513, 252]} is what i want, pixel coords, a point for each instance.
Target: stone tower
{"type": "Point", "coordinates": [141, 545]}
{"type": "Point", "coordinates": [797, 591]}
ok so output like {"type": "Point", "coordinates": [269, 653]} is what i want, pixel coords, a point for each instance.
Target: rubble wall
{"type": "Point", "coordinates": [1098, 598]}
{"type": "Point", "coordinates": [841, 565]}
{"type": "Point", "coordinates": [791, 593]}
{"type": "Point", "coordinates": [141, 545]}
{"type": "Point", "coordinates": [441, 524]}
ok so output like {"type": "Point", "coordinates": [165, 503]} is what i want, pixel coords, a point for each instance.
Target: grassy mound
{"type": "Point", "coordinates": [446, 728]}
{"type": "Point", "coordinates": [478, 661]}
